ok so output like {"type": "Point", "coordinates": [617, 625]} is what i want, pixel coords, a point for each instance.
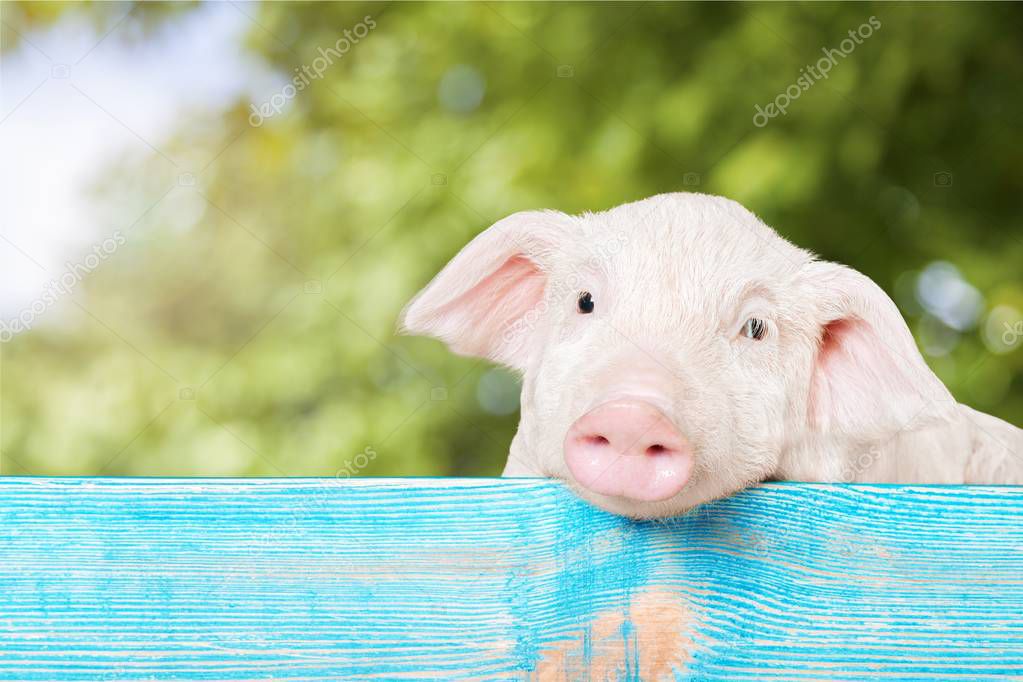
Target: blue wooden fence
{"type": "Point", "coordinates": [306, 579]}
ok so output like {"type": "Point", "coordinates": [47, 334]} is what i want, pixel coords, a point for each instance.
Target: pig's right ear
{"type": "Point", "coordinates": [479, 301]}
{"type": "Point", "coordinates": [868, 380]}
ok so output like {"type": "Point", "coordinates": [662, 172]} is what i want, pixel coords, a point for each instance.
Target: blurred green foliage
{"type": "Point", "coordinates": [247, 325]}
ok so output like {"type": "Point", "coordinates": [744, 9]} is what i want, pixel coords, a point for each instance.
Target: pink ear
{"type": "Point", "coordinates": [480, 302]}
{"type": "Point", "coordinates": [868, 378]}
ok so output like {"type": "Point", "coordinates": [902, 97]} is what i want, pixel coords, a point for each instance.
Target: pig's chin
{"type": "Point", "coordinates": [636, 509]}
{"type": "Point", "coordinates": [693, 495]}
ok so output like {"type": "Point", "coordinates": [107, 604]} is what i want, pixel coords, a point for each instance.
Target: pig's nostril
{"type": "Point", "coordinates": [629, 449]}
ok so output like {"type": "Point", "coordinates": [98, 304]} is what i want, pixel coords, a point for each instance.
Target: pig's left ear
{"type": "Point", "coordinates": [868, 379]}
{"type": "Point", "coordinates": [479, 302]}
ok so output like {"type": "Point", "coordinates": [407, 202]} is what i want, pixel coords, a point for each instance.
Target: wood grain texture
{"type": "Point", "coordinates": [302, 579]}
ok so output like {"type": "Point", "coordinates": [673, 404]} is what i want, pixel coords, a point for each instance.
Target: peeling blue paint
{"type": "Point", "coordinates": [132, 579]}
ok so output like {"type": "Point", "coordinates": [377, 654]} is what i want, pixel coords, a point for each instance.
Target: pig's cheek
{"type": "Point", "coordinates": [548, 405]}
{"type": "Point", "coordinates": [548, 386]}
{"type": "Point", "coordinates": [552, 377]}
{"type": "Point", "coordinates": [759, 417]}
{"type": "Point", "coordinates": [547, 422]}
{"type": "Point", "coordinates": [712, 426]}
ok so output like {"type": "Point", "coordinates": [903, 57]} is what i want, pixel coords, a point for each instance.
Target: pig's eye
{"type": "Point", "coordinates": [585, 303]}
{"type": "Point", "coordinates": [755, 328]}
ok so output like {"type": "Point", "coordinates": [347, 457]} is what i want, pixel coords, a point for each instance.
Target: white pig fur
{"type": "Point", "coordinates": [835, 391]}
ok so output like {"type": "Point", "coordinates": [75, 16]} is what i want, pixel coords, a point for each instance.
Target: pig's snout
{"type": "Point", "coordinates": [628, 448]}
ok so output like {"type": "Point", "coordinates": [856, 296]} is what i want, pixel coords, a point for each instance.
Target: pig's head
{"type": "Point", "coordinates": [676, 349]}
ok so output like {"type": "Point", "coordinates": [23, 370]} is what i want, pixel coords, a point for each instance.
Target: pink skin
{"type": "Point", "coordinates": [663, 359]}
{"type": "Point", "coordinates": [628, 448]}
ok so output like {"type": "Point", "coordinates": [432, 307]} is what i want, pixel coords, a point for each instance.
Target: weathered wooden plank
{"type": "Point", "coordinates": [502, 579]}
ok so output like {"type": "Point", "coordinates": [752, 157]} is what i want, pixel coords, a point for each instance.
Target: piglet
{"type": "Point", "coordinates": [676, 349]}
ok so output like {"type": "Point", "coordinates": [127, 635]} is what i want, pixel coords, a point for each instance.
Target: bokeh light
{"type": "Point", "coordinates": [498, 392]}
{"type": "Point", "coordinates": [945, 294]}
{"type": "Point", "coordinates": [461, 89]}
